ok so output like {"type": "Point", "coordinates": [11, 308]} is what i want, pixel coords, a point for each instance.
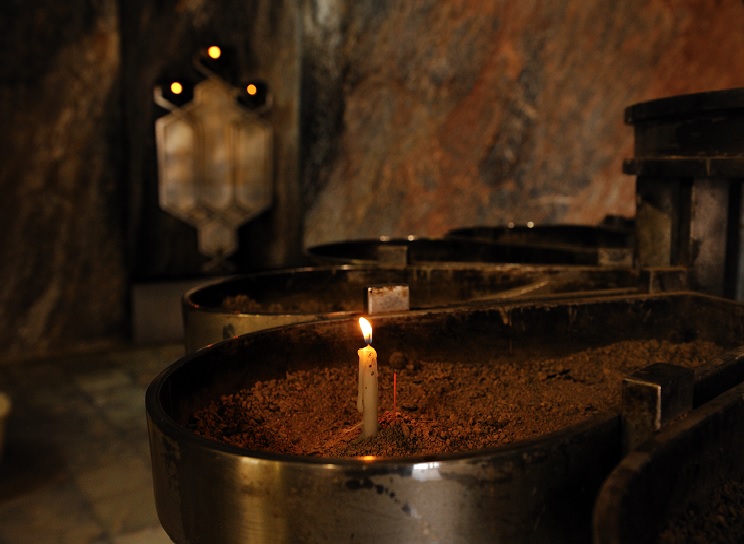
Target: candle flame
{"type": "Point", "coordinates": [366, 330]}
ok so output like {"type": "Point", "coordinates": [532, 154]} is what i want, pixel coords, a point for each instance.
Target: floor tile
{"type": "Point", "coordinates": [101, 381]}
{"type": "Point", "coordinates": [76, 467]}
{"type": "Point", "coordinates": [118, 474]}
{"type": "Point", "coordinates": [54, 513]}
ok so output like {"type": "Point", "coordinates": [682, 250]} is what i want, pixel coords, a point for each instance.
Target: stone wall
{"type": "Point", "coordinates": [459, 113]}
{"type": "Point", "coordinates": [63, 275]}
{"type": "Point", "coordinates": [417, 117]}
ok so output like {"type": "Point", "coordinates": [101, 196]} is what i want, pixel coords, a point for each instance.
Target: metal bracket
{"type": "Point", "coordinates": [652, 397]}
{"type": "Point", "coordinates": [388, 298]}
{"type": "Point", "coordinates": [664, 280]}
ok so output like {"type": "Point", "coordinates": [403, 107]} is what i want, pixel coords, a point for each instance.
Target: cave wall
{"type": "Point", "coordinates": [413, 118]}
{"type": "Point", "coordinates": [63, 277]}
{"type": "Point", "coordinates": [447, 114]}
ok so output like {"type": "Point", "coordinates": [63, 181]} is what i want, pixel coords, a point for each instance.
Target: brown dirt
{"type": "Point", "coordinates": [442, 407]}
{"type": "Point", "coordinates": [717, 519]}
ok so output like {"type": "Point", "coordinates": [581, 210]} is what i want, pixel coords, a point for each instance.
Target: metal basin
{"type": "Point", "coordinates": [611, 244]}
{"type": "Point", "coordinates": [292, 296]}
{"type": "Point", "coordinates": [412, 250]}
{"type": "Point", "coordinates": [688, 160]}
{"type": "Point", "coordinates": [541, 490]}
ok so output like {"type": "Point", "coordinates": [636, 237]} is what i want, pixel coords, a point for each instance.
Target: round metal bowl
{"type": "Point", "coordinates": [412, 250]}
{"type": "Point", "coordinates": [541, 490]}
{"type": "Point", "coordinates": [688, 128]}
{"type": "Point", "coordinates": [612, 244]}
{"type": "Point", "coordinates": [291, 296]}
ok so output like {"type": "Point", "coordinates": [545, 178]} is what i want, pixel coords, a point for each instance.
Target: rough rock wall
{"type": "Point", "coordinates": [447, 114]}
{"type": "Point", "coordinates": [62, 264]}
{"type": "Point", "coordinates": [417, 117]}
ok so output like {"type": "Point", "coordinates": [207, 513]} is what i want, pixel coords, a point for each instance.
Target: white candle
{"type": "Point", "coordinates": [367, 395]}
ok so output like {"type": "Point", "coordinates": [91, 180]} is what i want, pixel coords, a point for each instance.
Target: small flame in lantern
{"type": "Point", "coordinates": [214, 52]}
{"type": "Point", "coordinates": [366, 330]}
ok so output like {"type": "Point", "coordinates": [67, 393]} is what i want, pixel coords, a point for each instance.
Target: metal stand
{"type": "Point", "coordinates": [689, 163]}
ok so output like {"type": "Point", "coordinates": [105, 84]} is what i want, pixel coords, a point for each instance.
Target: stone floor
{"type": "Point", "coordinates": [76, 463]}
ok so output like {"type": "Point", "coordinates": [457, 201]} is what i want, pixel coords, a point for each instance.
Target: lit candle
{"type": "Point", "coordinates": [367, 397]}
